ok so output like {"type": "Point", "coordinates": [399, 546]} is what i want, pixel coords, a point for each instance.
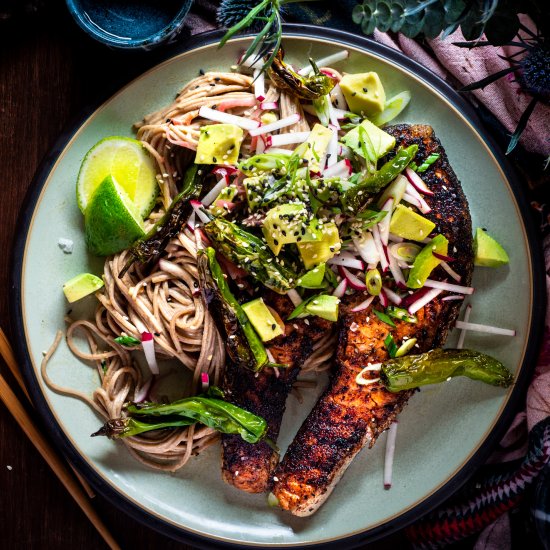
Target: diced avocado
{"type": "Point", "coordinates": [262, 320]}
{"type": "Point", "coordinates": [364, 93]}
{"type": "Point", "coordinates": [227, 194]}
{"type": "Point", "coordinates": [283, 224]}
{"type": "Point", "coordinates": [488, 252]}
{"type": "Point", "coordinates": [406, 223]}
{"type": "Point", "coordinates": [313, 278]}
{"type": "Point", "coordinates": [219, 144]}
{"type": "Point", "coordinates": [324, 306]}
{"type": "Point", "coordinates": [318, 251]}
{"type": "Point", "coordinates": [426, 262]}
{"type": "Point", "coordinates": [80, 286]}
{"type": "Point", "coordinates": [317, 145]}
{"type": "Point", "coordinates": [382, 142]}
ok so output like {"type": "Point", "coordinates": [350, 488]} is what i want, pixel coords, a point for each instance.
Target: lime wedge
{"type": "Point", "coordinates": [80, 286]}
{"type": "Point", "coordinates": [111, 221]}
{"type": "Point", "coordinates": [128, 162]}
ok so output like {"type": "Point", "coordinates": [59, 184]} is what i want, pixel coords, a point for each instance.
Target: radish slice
{"type": "Point", "coordinates": [340, 103]}
{"type": "Point", "coordinates": [344, 151]}
{"type": "Point", "coordinates": [450, 271]}
{"type": "Point", "coordinates": [260, 145]}
{"type": "Point", "coordinates": [198, 209]}
{"type": "Point", "coordinates": [448, 286]}
{"type": "Point", "coordinates": [384, 225]}
{"type": "Point", "coordinates": [452, 297]}
{"type": "Point", "coordinates": [367, 249]}
{"type": "Point", "coordinates": [269, 106]}
{"type": "Point", "coordinates": [226, 118]}
{"type": "Point", "coordinates": [332, 150]}
{"type": "Point", "coordinates": [475, 327]}
{"type": "Point", "coordinates": [419, 201]}
{"type": "Point", "coordinates": [417, 182]}
{"type": "Point", "coordinates": [383, 299]}
{"type": "Point", "coordinates": [191, 221]}
{"type": "Point", "coordinates": [340, 290]}
{"type": "Point", "coordinates": [341, 169]}
{"type": "Point", "coordinates": [390, 452]}
{"type": "Point", "coordinates": [395, 238]}
{"type": "Point", "coordinates": [205, 381]}
{"type": "Point", "coordinates": [332, 115]}
{"type": "Point", "coordinates": [425, 299]}
{"type": "Point", "coordinates": [380, 248]}
{"type": "Point", "coordinates": [288, 139]}
{"type": "Point", "coordinates": [392, 296]}
{"type": "Point", "coordinates": [143, 392]}
{"type": "Point", "coordinates": [396, 271]}
{"type": "Point", "coordinates": [363, 305]}
{"type": "Point", "coordinates": [352, 279]}
{"type": "Point", "coordinates": [325, 62]}
{"type": "Point", "coordinates": [466, 318]}
{"type": "Point", "coordinates": [212, 195]}
{"type": "Point", "coordinates": [282, 123]}
{"type": "Point", "coordinates": [295, 298]}
{"type": "Point", "coordinates": [148, 345]}
{"type": "Point", "coordinates": [346, 260]}
{"type": "Point", "coordinates": [259, 84]}
{"type": "Point", "coordinates": [443, 257]}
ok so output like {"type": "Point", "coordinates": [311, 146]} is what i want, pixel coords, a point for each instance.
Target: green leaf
{"type": "Point", "coordinates": [521, 125]}
{"type": "Point", "coordinates": [487, 80]}
{"type": "Point", "coordinates": [357, 14]}
{"type": "Point", "coordinates": [128, 341]}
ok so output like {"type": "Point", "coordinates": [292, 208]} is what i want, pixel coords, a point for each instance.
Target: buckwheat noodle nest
{"type": "Point", "coordinates": [167, 301]}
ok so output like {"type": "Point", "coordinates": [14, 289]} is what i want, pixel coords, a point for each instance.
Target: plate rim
{"type": "Point", "coordinates": [116, 497]}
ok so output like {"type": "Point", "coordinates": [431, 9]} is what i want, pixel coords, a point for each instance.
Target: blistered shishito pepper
{"type": "Point", "coordinates": [355, 198]}
{"type": "Point", "coordinates": [438, 365]}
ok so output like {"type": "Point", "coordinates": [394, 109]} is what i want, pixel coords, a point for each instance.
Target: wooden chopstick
{"type": "Point", "coordinates": [26, 423]}
{"type": "Point", "coordinates": [6, 351]}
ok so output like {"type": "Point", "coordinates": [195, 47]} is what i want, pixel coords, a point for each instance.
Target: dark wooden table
{"type": "Point", "coordinates": [49, 72]}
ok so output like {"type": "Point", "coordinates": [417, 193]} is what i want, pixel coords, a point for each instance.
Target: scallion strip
{"type": "Point", "coordinates": [428, 162]}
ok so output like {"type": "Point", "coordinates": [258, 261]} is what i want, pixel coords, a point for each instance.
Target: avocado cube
{"type": "Point", "coordinates": [313, 278]}
{"type": "Point", "coordinates": [381, 141]}
{"type": "Point", "coordinates": [321, 248]}
{"type": "Point", "coordinates": [317, 145]}
{"type": "Point", "coordinates": [488, 252]}
{"type": "Point", "coordinates": [283, 224]}
{"type": "Point", "coordinates": [406, 223]}
{"type": "Point", "coordinates": [80, 286]}
{"type": "Point", "coordinates": [426, 262]}
{"type": "Point", "coordinates": [219, 144]}
{"type": "Point", "coordinates": [364, 93]}
{"type": "Point", "coordinates": [324, 306]}
{"type": "Point", "coordinates": [262, 320]}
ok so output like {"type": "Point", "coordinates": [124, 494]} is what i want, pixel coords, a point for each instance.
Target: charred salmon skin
{"type": "Point", "coordinates": [247, 466]}
{"type": "Point", "coordinates": [350, 415]}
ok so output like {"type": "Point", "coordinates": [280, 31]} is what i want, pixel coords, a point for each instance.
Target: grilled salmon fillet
{"type": "Point", "coordinates": [247, 466]}
{"type": "Point", "coordinates": [348, 415]}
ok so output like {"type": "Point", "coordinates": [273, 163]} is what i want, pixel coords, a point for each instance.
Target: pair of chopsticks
{"type": "Point", "coordinates": [44, 448]}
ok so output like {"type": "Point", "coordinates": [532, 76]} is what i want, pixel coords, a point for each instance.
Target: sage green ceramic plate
{"type": "Point", "coordinates": [444, 432]}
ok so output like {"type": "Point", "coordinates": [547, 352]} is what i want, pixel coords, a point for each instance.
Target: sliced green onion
{"type": "Point", "coordinates": [373, 280]}
{"type": "Point", "coordinates": [401, 314]}
{"type": "Point", "coordinates": [405, 347]}
{"type": "Point", "coordinates": [384, 318]}
{"type": "Point", "coordinates": [428, 162]}
{"type": "Point", "coordinates": [391, 346]}
{"type": "Point", "coordinates": [127, 341]}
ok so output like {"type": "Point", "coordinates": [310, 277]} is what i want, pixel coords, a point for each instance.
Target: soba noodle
{"type": "Point", "coordinates": [167, 301]}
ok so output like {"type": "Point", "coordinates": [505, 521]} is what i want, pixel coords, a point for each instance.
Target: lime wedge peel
{"type": "Point", "coordinates": [111, 221]}
{"type": "Point", "coordinates": [131, 166]}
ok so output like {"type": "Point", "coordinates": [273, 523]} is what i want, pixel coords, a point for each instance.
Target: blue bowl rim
{"type": "Point", "coordinates": [75, 9]}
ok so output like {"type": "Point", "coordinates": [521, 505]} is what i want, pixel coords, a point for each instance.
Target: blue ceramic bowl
{"type": "Point", "coordinates": [130, 25]}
